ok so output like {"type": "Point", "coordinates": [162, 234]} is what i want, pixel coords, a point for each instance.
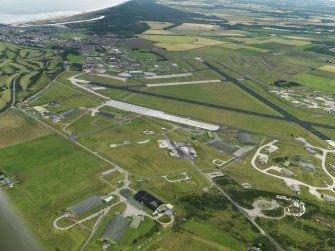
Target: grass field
{"type": "Point", "coordinates": [330, 68]}
{"type": "Point", "coordinates": [180, 43]}
{"type": "Point", "coordinates": [185, 241]}
{"type": "Point", "coordinates": [171, 192]}
{"type": "Point", "coordinates": [224, 93]}
{"type": "Point", "coordinates": [315, 82]}
{"type": "Point", "coordinates": [248, 122]}
{"type": "Point", "coordinates": [142, 159]}
{"type": "Point", "coordinates": [68, 98]}
{"type": "Point", "coordinates": [196, 26]}
{"type": "Point", "coordinates": [44, 159]}
{"type": "Point", "coordinates": [15, 128]}
{"type": "Point", "coordinates": [206, 231]}
{"type": "Point", "coordinates": [158, 25]}
{"type": "Point", "coordinates": [158, 32]}
{"type": "Point", "coordinates": [140, 54]}
{"type": "Point", "coordinates": [240, 47]}
{"type": "Point", "coordinates": [293, 42]}
{"type": "Point", "coordinates": [136, 157]}
{"type": "Point", "coordinates": [132, 235]}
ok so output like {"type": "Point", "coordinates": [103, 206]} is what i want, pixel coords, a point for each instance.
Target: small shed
{"type": "Point", "coordinates": [136, 222]}
{"type": "Point", "coordinates": [108, 199]}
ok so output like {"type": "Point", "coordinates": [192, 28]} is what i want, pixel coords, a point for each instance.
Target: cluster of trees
{"type": "Point", "coordinates": [200, 205]}
{"type": "Point", "coordinates": [127, 19]}
{"type": "Point", "coordinates": [285, 84]}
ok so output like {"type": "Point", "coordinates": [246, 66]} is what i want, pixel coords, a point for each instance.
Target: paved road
{"type": "Point", "coordinates": [287, 115]}
{"type": "Point", "coordinates": [314, 190]}
{"type": "Point", "coordinates": [14, 92]}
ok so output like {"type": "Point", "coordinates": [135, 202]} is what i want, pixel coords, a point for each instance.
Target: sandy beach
{"type": "Point", "coordinates": [51, 18]}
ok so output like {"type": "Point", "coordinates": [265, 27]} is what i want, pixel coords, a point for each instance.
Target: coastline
{"type": "Point", "coordinates": [51, 18]}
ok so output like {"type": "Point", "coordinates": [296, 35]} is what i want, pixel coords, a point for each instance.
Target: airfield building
{"type": "Point", "coordinates": [307, 167]}
{"type": "Point", "coordinates": [287, 172]}
{"type": "Point", "coordinates": [148, 200]}
{"type": "Point", "coordinates": [135, 223]}
{"type": "Point", "coordinates": [223, 147]}
{"type": "Point", "coordinates": [107, 114]}
{"type": "Point", "coordinates": [115, 229]}
{"type": "Point", "coordinates": [85, 206]}
{"type": "Point", "coordinates": [41, 110]}
{"type": "Point", "coordinates": [328, 198]}
{"type": "Point", "coordinates": [332, 167]}
{"type": "Point", "coordinates": [245, 139]}
{"type": "Point", "coordinates": [309, 150]}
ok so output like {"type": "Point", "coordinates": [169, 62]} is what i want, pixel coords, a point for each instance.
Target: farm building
{"type": "Point", "coordinates": [65, 115]}
{"type": "Point", "coordinates": [148, 200]}
{"type": "Point", "coordinates": [245, 139]}
{"type": "Point", "coordinates": [86, 205]}
{"type": "Point", "coordinates": [70, 113]}
{"type": "Point", "coordinates": [41, 110]}
{"type": "Point", "coordinates": [114, 229]}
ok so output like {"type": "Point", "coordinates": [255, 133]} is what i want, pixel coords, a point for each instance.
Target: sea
{"type": "Point", "coordinates": [20, 11]}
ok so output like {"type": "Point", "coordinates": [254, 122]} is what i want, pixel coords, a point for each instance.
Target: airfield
{"type": "Point", "coordinates": [223, 139]}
